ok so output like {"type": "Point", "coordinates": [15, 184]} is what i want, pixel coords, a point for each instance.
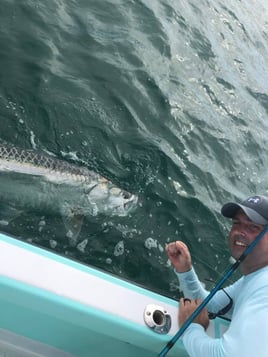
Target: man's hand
{"type": "Point", "coordinates": [187, 307]}
{"type": "Point", "coordinates": [179, 256]}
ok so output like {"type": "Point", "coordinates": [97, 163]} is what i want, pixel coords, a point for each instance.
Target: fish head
{"type": "Point", "coordinates": [121, 202]}
{"type": "Point", "coordinates": [111, 200]}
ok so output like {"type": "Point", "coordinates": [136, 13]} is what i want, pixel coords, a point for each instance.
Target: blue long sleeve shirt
{"type": "Point", "coordinates": [247, 334]}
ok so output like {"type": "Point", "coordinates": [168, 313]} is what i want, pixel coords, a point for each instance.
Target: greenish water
{"type": "Point", "coordinates": [168, 99]}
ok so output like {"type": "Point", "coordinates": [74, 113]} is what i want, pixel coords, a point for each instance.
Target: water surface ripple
{"type": "Point", "coordinates": [166, 98]}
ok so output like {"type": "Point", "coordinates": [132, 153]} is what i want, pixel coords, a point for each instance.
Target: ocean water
{"type": "Point", "coordinates": [169, 99]}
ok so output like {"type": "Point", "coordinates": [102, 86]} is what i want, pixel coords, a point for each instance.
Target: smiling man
{"type": "Point", "coordinates": [249, 219]}
{"type": "Point", "coordinates": [245, 302]}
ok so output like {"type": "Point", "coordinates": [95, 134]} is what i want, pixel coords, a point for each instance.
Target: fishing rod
{"type": "Point", "coordinates": [217, 287]}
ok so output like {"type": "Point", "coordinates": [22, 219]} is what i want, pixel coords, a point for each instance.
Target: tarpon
{"type": "Point", "coordinates": [35, 181]}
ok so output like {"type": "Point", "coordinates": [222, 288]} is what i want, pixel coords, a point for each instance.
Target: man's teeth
{"type": "Point", "coordinates": [240, 244]}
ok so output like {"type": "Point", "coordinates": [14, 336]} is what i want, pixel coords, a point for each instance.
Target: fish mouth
{"type": "Point", "coordinates": [127, 195]}
{"type": "Point", "coordinates": [130, 200]}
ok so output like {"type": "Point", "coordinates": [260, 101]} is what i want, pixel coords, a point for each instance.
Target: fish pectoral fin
{"type": "Point", "coordinates": [73, 223]}
{"type": "Point", "coordinates": [8, 214]}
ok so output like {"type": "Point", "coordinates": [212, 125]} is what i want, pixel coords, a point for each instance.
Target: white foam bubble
{"type": "Point", "coordinates": [119, 248]}
{"type": "Point", "coordinates": [150, 243]}
{"type": "Point", "coordinates": [82, 245]}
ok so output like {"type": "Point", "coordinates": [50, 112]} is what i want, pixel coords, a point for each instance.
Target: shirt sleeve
{"type": "Point", "coordinates": [197, 343]}
{"type": "Point", "coordinates": [190, 285]}
{"type": "Point", "coordinates": [193, 289]}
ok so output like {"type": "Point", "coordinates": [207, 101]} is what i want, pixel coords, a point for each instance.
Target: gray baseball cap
{"type": "Point", "coordinates": [255, 207]}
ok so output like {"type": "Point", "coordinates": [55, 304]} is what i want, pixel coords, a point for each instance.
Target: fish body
{"type": "Point", "coordinates": [36, 181]}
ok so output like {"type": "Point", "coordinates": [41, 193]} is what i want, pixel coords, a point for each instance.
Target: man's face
{"type": "Point", "coordinates": [242, 233]}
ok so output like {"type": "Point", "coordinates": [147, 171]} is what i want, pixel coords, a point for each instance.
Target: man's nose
{"type": "Point", "coordinates": [242, 229]}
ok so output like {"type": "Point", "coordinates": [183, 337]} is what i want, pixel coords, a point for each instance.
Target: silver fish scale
{"type": "Point", "coordinates": [11, 153]}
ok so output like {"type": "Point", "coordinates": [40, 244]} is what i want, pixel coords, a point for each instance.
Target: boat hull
{"type": "Point", "coordinates": [50, 303]}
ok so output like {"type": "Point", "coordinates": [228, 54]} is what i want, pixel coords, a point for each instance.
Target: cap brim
{"type": "Point", "coordinates": [230, 209]}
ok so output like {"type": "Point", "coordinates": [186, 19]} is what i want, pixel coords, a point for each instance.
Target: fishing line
{"type": "Point", "coordinates": [217, 287]}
